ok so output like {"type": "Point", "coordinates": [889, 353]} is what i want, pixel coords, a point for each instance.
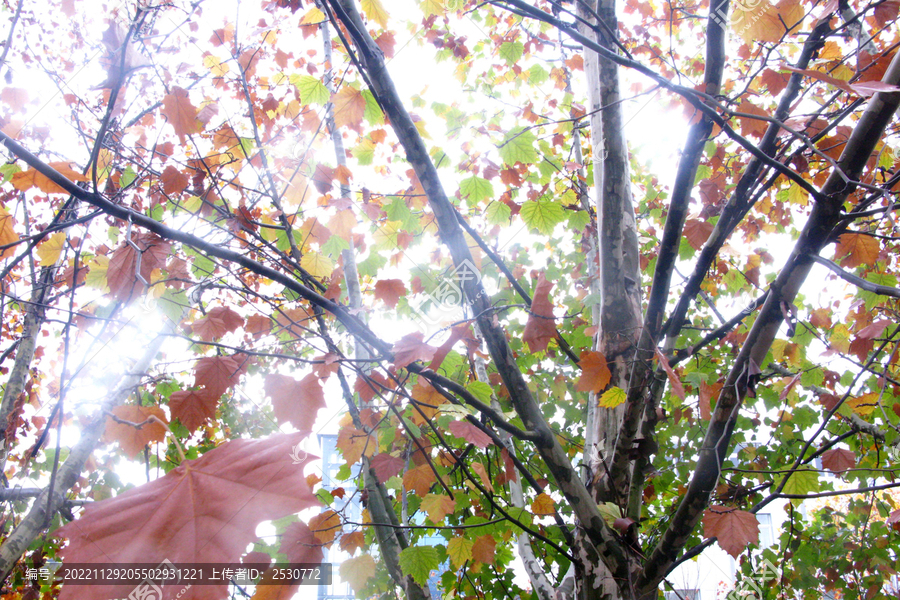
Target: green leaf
{"type": "Point", "coordinates": [480, 390]}
{"type": "Point", "coordinates": [459, 549]}
{"type": "Point", "coordinates": [334, 246]}
{"type": "Point", "coordinates": [519, 147]}
{"type": "Point", "coordinates": [372, 114]}
{"type": "Point", "coordinates": [127, 177]}
{"type": "Point", "coordinates": [10, 169]}
{"type": "Point", "coordinates": [325, 497]}
{"type": "Point", "coordinates": [542, 216]}
{"type": "Point", "coordinates": [476, 189]}
{"type": "Point", "coordinates": [418, 562]}
{"type": "Point", "coordinates": [802, 481]}
{"type": "Point", "coordinates": [364, 152]}
{"type": "Point", "coordinates": [498, 213]}
{"type": "Point", "coordinates": [312, 90]}
{"type": "Point", "coordinates": [511, 52]}
{"type": "Point", "coordinates": [613, 397]}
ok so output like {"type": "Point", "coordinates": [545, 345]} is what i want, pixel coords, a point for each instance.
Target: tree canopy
{"type": "Point", "coordinates": [557, 346]}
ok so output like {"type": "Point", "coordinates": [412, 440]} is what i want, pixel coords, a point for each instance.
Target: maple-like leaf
{"type": "Point", "coordinates": [375, 11]}
{"type": "Point", "coordinates": [734, 529]}
{"type": "Point", "coordinates": [218, 373]}
{"type": "Point", "coordinates": [470, 433]}
{"type": "Point", "coordinates": [674, 381]}
{"type": "Point", "coordinates": [386, 466]}
{"type": "Point", "coordinates": [181, 113]}
{"type": "Point", "coordinates": [418, 562]}
{"type": "Point", "coordinates": [204, 510]}
{"type": "Point", "coordinates": [299, 544]}
{"type": "Point", "coordinates": [484, 548]}
{"type": "Point", "coordinates": [697, 232]}
{"type": "Point", "coordinates": [295, 402]}
{"type": "Point", "coordinates": [133, 439]}
{"type": "Point", "coordinates": [838, 460]}
{"type": "Point", "coordinates": [357, 571]}
{"type": "Point", "coordinates": [258, 325]}
{"type": "Point", "coordinates": [483, 475]}
{"type": "Point", "coordinates": [122, 270]}
{"type": "Point", "coordinates": [857, 249]}
{"type": "Point", "coordinates": [349, 107]}
{"type": "Point", "coordinates": [8, 235]}
{"type": "Point", "coordinates": [50, 249]}
{"type": "Point", "coordinates": [540, 327]}
{"type": "Point", "coordinates": [419, 479]}
{"type": "Point", "coordinates": [217, 322]}
{"type": "Point", "coordinates": [543, 505]}
{"type": "Point", "coordinates": [389, 291]}
{"type": "Point", "coordinates": [595, 372]}
{"type": "Point", "coordinates": [411, 348]}
{"type": "Point", "coordinates": [194, 407]}
{"type": "Point", "coordinates": [325, 526]}
{"type": "Point", "coordinates": [459, 549]}
{"type": "Point", "coordinates": [25, 180]}
{"type": "Point", "coordinates": [353, 541]}
{"type": "Point", "coordinates": [353, 443]}
{"type": "Point", "coordinates": [174, 181]}
{"type": "Point", "coordinates": [438, 506]}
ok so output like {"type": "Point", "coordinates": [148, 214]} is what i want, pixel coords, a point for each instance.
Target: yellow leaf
{"type": "Point", "coordinates": [313, 15]}
{"type": "Point", "coordinates": [297, 190]}
{"type": "Point", "coordinates": [357, 571]}
{"type": "Point", "coordinates": [317, 265]}
{"type": "Point", "coordinates": [8, 235]}
{"type": "Point", "coordinates": [51, 248]}
{"type": "Point", "coordinates": [433, 7]}
{"type": "Point", "coordinates": [216, 66]}
{"type": "Point", "coordinates": [864, 405]}
{"type": "Point", "coordinates": [612, 397]}
{"type": "Point", "coordinates": [797, 195]}
{"type": "Point", "coordinates": [375, 11]}
{"type": "Point", "coordinates": [96, 275]}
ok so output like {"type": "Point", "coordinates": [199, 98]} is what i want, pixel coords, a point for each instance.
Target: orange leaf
{"type": "Point", "coordinates": [25, 180]}
{"type": "Point", "coordinates": [595, 373]}
{"type": "Point", "coordinates": [258, 325]}
{"type": "Point", "coordinates": [204, 510]}
{"type": "Point", "coordinates": [540, 327]}
{"type": "Point", "coordinates": [353, 443]}
{"type": "Point", "coordinates": [543, 505]}
{"type": "Point", "coordinates": [484, 548]}
{"type": "Point", "coordinates": [325, 526]}
{"type": "Point", "coordinates": [296, 402]}
{"type": "Point", "coordinates": [483, 474]}
{"type": "Point", "coordinates": [8, 234]}
{"type": "Point", "coordinates": [180, 113]}
{"type": "Point", "coordinates": [438, 506]}
{"type": "Point", "coordinates": [697, 232]}
{"type": "Point", "coordinates": [734, 529]}
{"type": "Point", "coordinates": [351, 542]}
{"type": "Point", "coordinates": [132, 439]}
{"type": "Point", "coordinates": [419, 479]}
{"type": "Point", "coordinates": [857, 249]}
{"type": "Point", "coordinates": [674, 381]}
{"type": "Point", "coordinates": [349, 108]}
{"type": "Point", "coordinates": [428, 400]}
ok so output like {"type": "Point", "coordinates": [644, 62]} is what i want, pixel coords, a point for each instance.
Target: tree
{"type": "Point", "coordinates": [556, 395]}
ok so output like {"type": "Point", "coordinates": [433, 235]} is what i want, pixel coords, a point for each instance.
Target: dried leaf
{"type": "Point", "coordinates": [734, 529]}
{"type": "Point", "coordinates": [540, 327]}
{"type": "Point", "coordinates": [132, 439]}
{"type": "Point", "coordinates": [595, 374]}
{"type": "Point", "coordinates": [180, 113]}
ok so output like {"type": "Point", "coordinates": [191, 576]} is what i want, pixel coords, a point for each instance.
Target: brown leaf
{"type": "Point", "coordinates": [218, 373]}
{"type": "Point", "coordinates": [674, 381]}
{"type": "Point", "coordinates": [353, 541]}
{"type": "Point", "coordinates": [734, 529]}
{"type": "Point", "coordinates": [217, 322]}
{"type": "Point", "coordinates": [857, 249]}
{"type": "Point", "coordinates": [180, 113]}
{"type": "Point", "coordinates": [838, 460]}
{"type": "Point", "coordinates": [295, 402]}
{"type": "Point", "coordinates": [484, 549]}
{"type": "Point", "coordinates": [595, 373]}
{"type": "Point", "coordinates": [540, 327]}
{"type": "Point", "coordinates": [194, 407]}
{"type": "Point", "coordinates": [411, 348]}
{"type": "Point", "coordinates": [121, 274]}
{"type": "Point", "coordinates": [204, 510]}
{"type": "Point", "coordinates": [132, 439]}
{"type": "Point", "coordinates": [174, 181]}
{"type": "Point", "coordinates": [389, 291]}
{"type": "Point", "coordinates": [697, 232]}
{"type": "Point", "coordinates": [419, 479]}
{"type": "Point", "coordinates": [707, 393]}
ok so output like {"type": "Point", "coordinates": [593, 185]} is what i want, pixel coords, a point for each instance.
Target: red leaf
{"type": "Point", "coordinates": [540, 327]}
{"type": "Point", "coordinates": [300, 544]}
{"type": "Point", "coordinates": [838, 460]}
{"type": "Point", "coordinates": [411, 348]}
{"type": "Point", "coordinates": [194, 407]}
{"type": "Point", "coordinates": [697, 232]}
{"type": "Point", "coordinates": [216, 323]}
{"type": "Point", "coordinates": [386, 466]}
{"type": "Point", "coordinates": [389, 291]}
{"type": "Point", "coordinates": [674, 381]}
{"type": "Point", "coordinates": [295, 402]}
{"type": "Point", "coordinates": [173, 180]}
{"type": "Point", "coordinates": [595, 373]}
{"type": "Point", "coordinates": [734, 529]}
{"type": "Point", "coordinates": [205, 510]}
{"type": "Point", "coordinates": [470, 433]}
{"type": "Point", "coordinates": [121, 274]}
{"type": "Point", "coordinates": [874, 330]}
{"type": "Point", "coordinates": [868, 88]}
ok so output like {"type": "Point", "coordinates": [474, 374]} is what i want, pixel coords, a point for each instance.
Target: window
{"type": "Point", "coordinates": [766, 531]}
{"type": "Point", "coordinates": [683, 595]}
